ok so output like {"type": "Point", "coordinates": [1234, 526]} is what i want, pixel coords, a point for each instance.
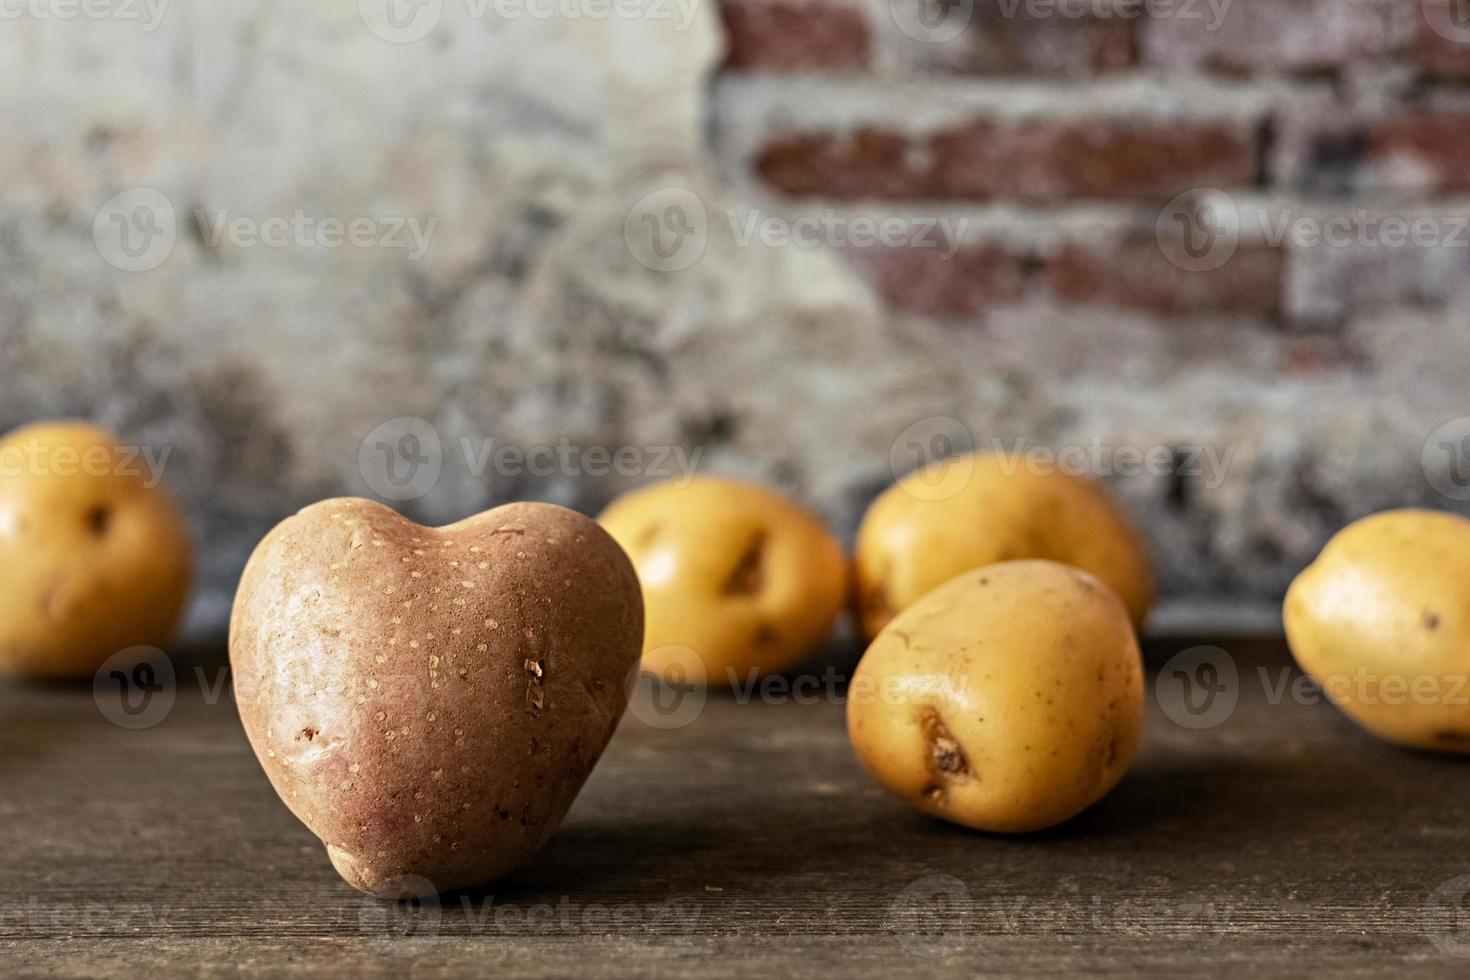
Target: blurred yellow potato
{"type": "Point", "coordinates": [735, 577]}
{"type": "Point", "coordinates": [1381, 620]}
{"type": "Point", "coordinates": [94, 559]}
{"type": "Point", "coordinates": [1008, 699]}
{"type": "Point", "coordinates": [968, 511]}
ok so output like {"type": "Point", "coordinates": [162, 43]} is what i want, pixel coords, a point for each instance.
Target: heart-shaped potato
{"type": "Point", "coordinates": [430, 701]}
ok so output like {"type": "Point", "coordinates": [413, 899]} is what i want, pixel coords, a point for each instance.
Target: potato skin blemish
{"type": "Point", "coordinates": [1047, 650]}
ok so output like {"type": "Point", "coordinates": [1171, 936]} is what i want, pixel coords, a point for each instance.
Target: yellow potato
{"type": "Point", "coordinates": [1381, 620]}
{"type": "Point", "coordinates": [964, 512]}
{"type": "Point", "coordinates": [94, 558]}
{"type": "Point", "coordinates": [735, 577]}
{"type": "Point", "coordinates": [1009, 699]}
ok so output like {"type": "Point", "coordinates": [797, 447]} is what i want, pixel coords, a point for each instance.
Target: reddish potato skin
{"type": "Point", "coordinates": [427, 701]}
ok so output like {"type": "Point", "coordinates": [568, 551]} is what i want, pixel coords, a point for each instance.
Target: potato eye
{"type": "Point", "coordinates": [99, 519]}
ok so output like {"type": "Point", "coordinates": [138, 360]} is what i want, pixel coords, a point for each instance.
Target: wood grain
{"type": "Point", "coordinates": [747, 843]}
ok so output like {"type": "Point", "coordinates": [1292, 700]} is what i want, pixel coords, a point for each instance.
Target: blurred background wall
{"type": "Point", "coordinates": [1211, 253]}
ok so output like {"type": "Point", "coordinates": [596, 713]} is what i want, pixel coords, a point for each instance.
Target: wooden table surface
{"type": "Point", "coordinates": [1279, 841]}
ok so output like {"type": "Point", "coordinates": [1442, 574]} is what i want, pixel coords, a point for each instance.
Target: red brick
{"type": "Point", "coordinates": [1135, 274]}
{"type": "Point", "coordinates": [1442, 44]}
{"type": "Point", "coordinates": [1315, 354]}
{"type": "Point", "coordinates": [1436, 145]}
{"type": "Point", "coordinates": [795, 35]}
{"type": "Point", "coordinates": [1266, 36]}
{"type": "Point", "coordinates": [1029, 159]}
{"type": "Point", "coordinates": [1421, 148]}
{"type": "Point", "coordinates": [1052, 47]}
{"type": "Point", "coordinates": [932, 282]}
{"type": "Point", "coordinates": [1442, 47]}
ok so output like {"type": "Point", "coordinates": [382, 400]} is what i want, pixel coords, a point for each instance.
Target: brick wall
{"type": "Point", "coordinates": [1089, 255]}
{"type": "Point", "coordinates": [1093, 151]}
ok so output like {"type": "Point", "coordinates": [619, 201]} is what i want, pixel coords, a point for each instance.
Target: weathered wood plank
{"type": "Point", "coordinates": [748, 843]}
